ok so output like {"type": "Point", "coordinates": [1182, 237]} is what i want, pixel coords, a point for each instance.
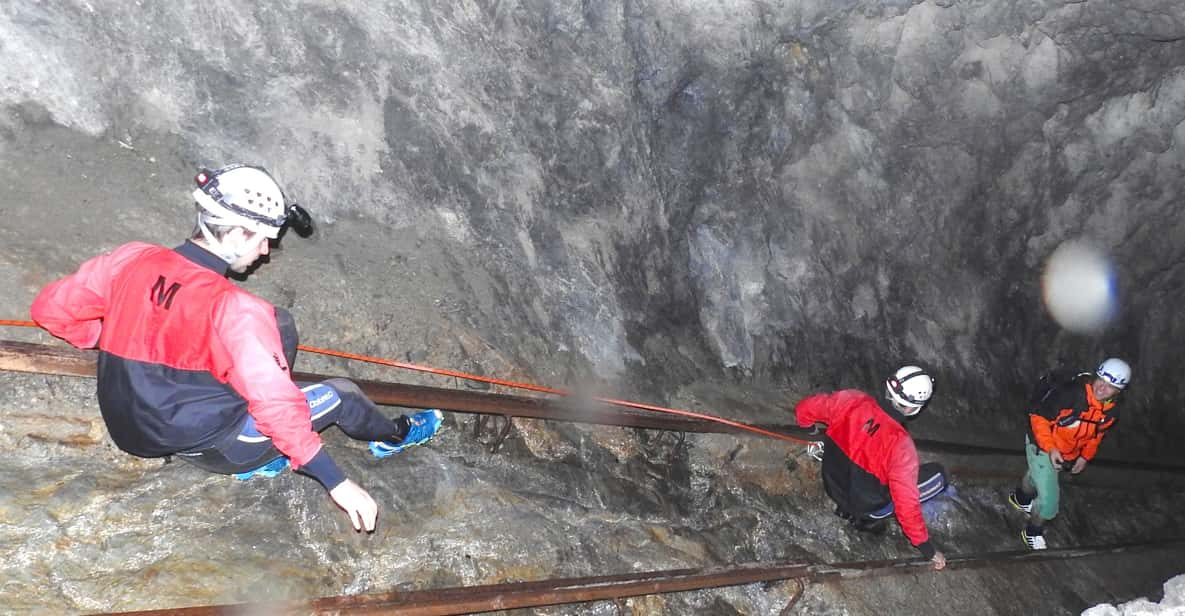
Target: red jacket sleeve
{"type": "Point", "coordinates": [821, 408]}
{"type": "Point", "coordinates": [903, 489]}
{"type": "Point", "coordinates": [249, 356]}
{"type": "Point", "coordinates": [73, 307]}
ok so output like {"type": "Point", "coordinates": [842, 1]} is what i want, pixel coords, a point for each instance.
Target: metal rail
{"type": "Point", "coordinates": [43, 359]}
{"type": "Point", "coordinates": [68, 361]}
{"type": "Point", "coordinates": [486, 598]}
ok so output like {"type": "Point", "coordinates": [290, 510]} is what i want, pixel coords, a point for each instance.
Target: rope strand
{"type": "Point", "coordinates": [515, 385]}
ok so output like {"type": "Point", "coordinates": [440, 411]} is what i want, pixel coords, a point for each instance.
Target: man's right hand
{"type": "Point", "coordinates": [357, 503]}
{"type": "Point", "coordinates": [939, 561]}
{"type": "Point", "coordinates": [1055, 456]}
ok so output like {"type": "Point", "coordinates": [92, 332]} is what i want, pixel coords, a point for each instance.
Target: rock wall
{"type": "Point", "coordinates": [800, 193]}
{"type": "Point", "coordinates": [668, 199]}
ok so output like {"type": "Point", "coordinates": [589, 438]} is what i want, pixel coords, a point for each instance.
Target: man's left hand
{"type": "Point", "coordinates": [357, 503]}
{"type": "Point", "coordinates": [1079, 464]}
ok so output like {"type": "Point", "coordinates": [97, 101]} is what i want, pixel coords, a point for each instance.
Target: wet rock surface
{"type": "Point", "coordinates": [720, 207]}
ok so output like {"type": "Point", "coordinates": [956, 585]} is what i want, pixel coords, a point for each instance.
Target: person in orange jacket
{"type": "Point", "coordinates": [1066, 428]}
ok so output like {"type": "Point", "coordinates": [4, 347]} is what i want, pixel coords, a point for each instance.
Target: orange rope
{"type": "Point", "coordinates": [516, 385]}
{"type": "Point", "coordinates": [550, 390]}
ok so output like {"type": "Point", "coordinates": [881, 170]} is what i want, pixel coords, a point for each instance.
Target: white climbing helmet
{"type": "Point", "coordinates": [910, 387]}
{"type": "Point", "coordinates": [242, 196]}
{"type": "Point", "coordinates": [1115, 371]}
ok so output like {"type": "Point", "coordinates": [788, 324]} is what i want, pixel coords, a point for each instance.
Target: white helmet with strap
{"type": "Point", "coordinates": [240, 196]}
{"type": "Point", "coordinates": [1114, 371]}
{"type": "Point", "coordinates": [910, 388]}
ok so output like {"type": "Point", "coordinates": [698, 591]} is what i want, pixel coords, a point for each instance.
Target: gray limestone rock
{"type": "Point", "coordinates": [720, 205]}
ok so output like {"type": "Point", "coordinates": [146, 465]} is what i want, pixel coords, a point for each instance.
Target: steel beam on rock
{"type": "Point", "coordinates": [66, 361]}
{"type": "Point", "coordinates": [494, 597]}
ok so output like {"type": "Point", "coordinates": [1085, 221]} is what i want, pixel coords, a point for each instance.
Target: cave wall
{"type": "Point", "coordinates": [651, 198]}
{"type": "Point", "coordinates": [798, 193]}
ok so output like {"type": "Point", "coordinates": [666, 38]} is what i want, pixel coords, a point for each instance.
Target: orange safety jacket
{"type": "Point", "coordinates": [1072, 421]}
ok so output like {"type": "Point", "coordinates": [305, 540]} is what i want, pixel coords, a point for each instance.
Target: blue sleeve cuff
{"type": "Point", "coordinates": [324, 469]}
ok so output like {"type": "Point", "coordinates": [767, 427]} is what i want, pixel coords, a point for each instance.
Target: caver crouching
{"type": "Point", "coordinates": [193, 366]}
{"type": "Point", "coordinates": [869, 460]}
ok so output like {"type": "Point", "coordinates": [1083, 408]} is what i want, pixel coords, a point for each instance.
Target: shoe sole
{"type": "Point", "coordinates": [262, 471]}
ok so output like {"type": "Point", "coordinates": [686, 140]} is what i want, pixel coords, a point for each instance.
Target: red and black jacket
{"type": "Point", "coordinates": [877, 453]}
{"type": "Point", "coordinates": [175, 337]}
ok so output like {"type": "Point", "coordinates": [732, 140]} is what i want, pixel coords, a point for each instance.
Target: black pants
{"type": "Point", "coordinates": [859, 494]}
{"type": "Point", "coordinates": [335, 401]}
{"type": "Point", "coordinates": [856, 492]}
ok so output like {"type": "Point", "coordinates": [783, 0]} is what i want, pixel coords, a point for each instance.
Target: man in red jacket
{"type": "Point", "coordinates": [869, 457]}
{"type": "Point", "coordinates": [193, 366]}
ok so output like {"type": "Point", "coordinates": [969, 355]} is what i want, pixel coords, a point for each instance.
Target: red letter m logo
{"type": "Point", "coordinates": [161, 296]}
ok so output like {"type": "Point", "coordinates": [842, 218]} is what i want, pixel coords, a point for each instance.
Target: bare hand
{"type": "Point", "coordinates": [357, 504]}
{"type": "Point", "coordinates": [1079, 464]}
{"type": "Point", "coordinates": [1055, 456]}
{"type": "Point", "coordinates": [939, 560]}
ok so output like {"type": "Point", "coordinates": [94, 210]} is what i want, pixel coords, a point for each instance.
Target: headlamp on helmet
{"type": "Point", "coordinates": [910, 387]}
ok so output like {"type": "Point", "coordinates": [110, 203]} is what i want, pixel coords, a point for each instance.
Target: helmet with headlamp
{"type": "Point", "coordinates": [244, 196]}
{"type": "Point", "coordinates": [247, 196]}
{"type": "Point", "coordinates": [910, 389]}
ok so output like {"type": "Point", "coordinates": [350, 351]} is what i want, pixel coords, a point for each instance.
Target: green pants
{"type": "Point", "coordinates": [1041, 478]}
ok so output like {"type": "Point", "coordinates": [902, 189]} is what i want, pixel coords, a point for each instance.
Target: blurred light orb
{"type": "Point", "coordinates": [1079, 287]}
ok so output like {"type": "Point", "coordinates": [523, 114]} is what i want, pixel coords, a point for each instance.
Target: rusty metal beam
{"type": "Point", "coordinates": [67, 361]}
{"type": "Point", "coordinates": [561, 409]}
{"type": "Point", "coordinates": [477, 599]}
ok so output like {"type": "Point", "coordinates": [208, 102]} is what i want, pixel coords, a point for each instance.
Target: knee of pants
{"type": "Point", "coordinates": [1046, 505]}
{"type": "Point", "coordinates": [344, 387]}
{"type": "Point", "coordinates": [351, 395]}
{"type": "Point", "coordinates": [1044, 478]}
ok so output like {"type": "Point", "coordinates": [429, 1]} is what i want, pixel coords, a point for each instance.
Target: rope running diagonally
{"type": "Point", "coordinates": [517, 385]}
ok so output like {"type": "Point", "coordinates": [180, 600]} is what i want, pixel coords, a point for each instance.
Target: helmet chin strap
{"type": "Point", "coordinates": [216, 246]}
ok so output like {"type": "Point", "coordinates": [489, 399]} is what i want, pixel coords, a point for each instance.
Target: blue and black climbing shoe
{"type": "Point", "coordinates": [271, 469]}
{"type": "Point", "coordinates": [421, 427]}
